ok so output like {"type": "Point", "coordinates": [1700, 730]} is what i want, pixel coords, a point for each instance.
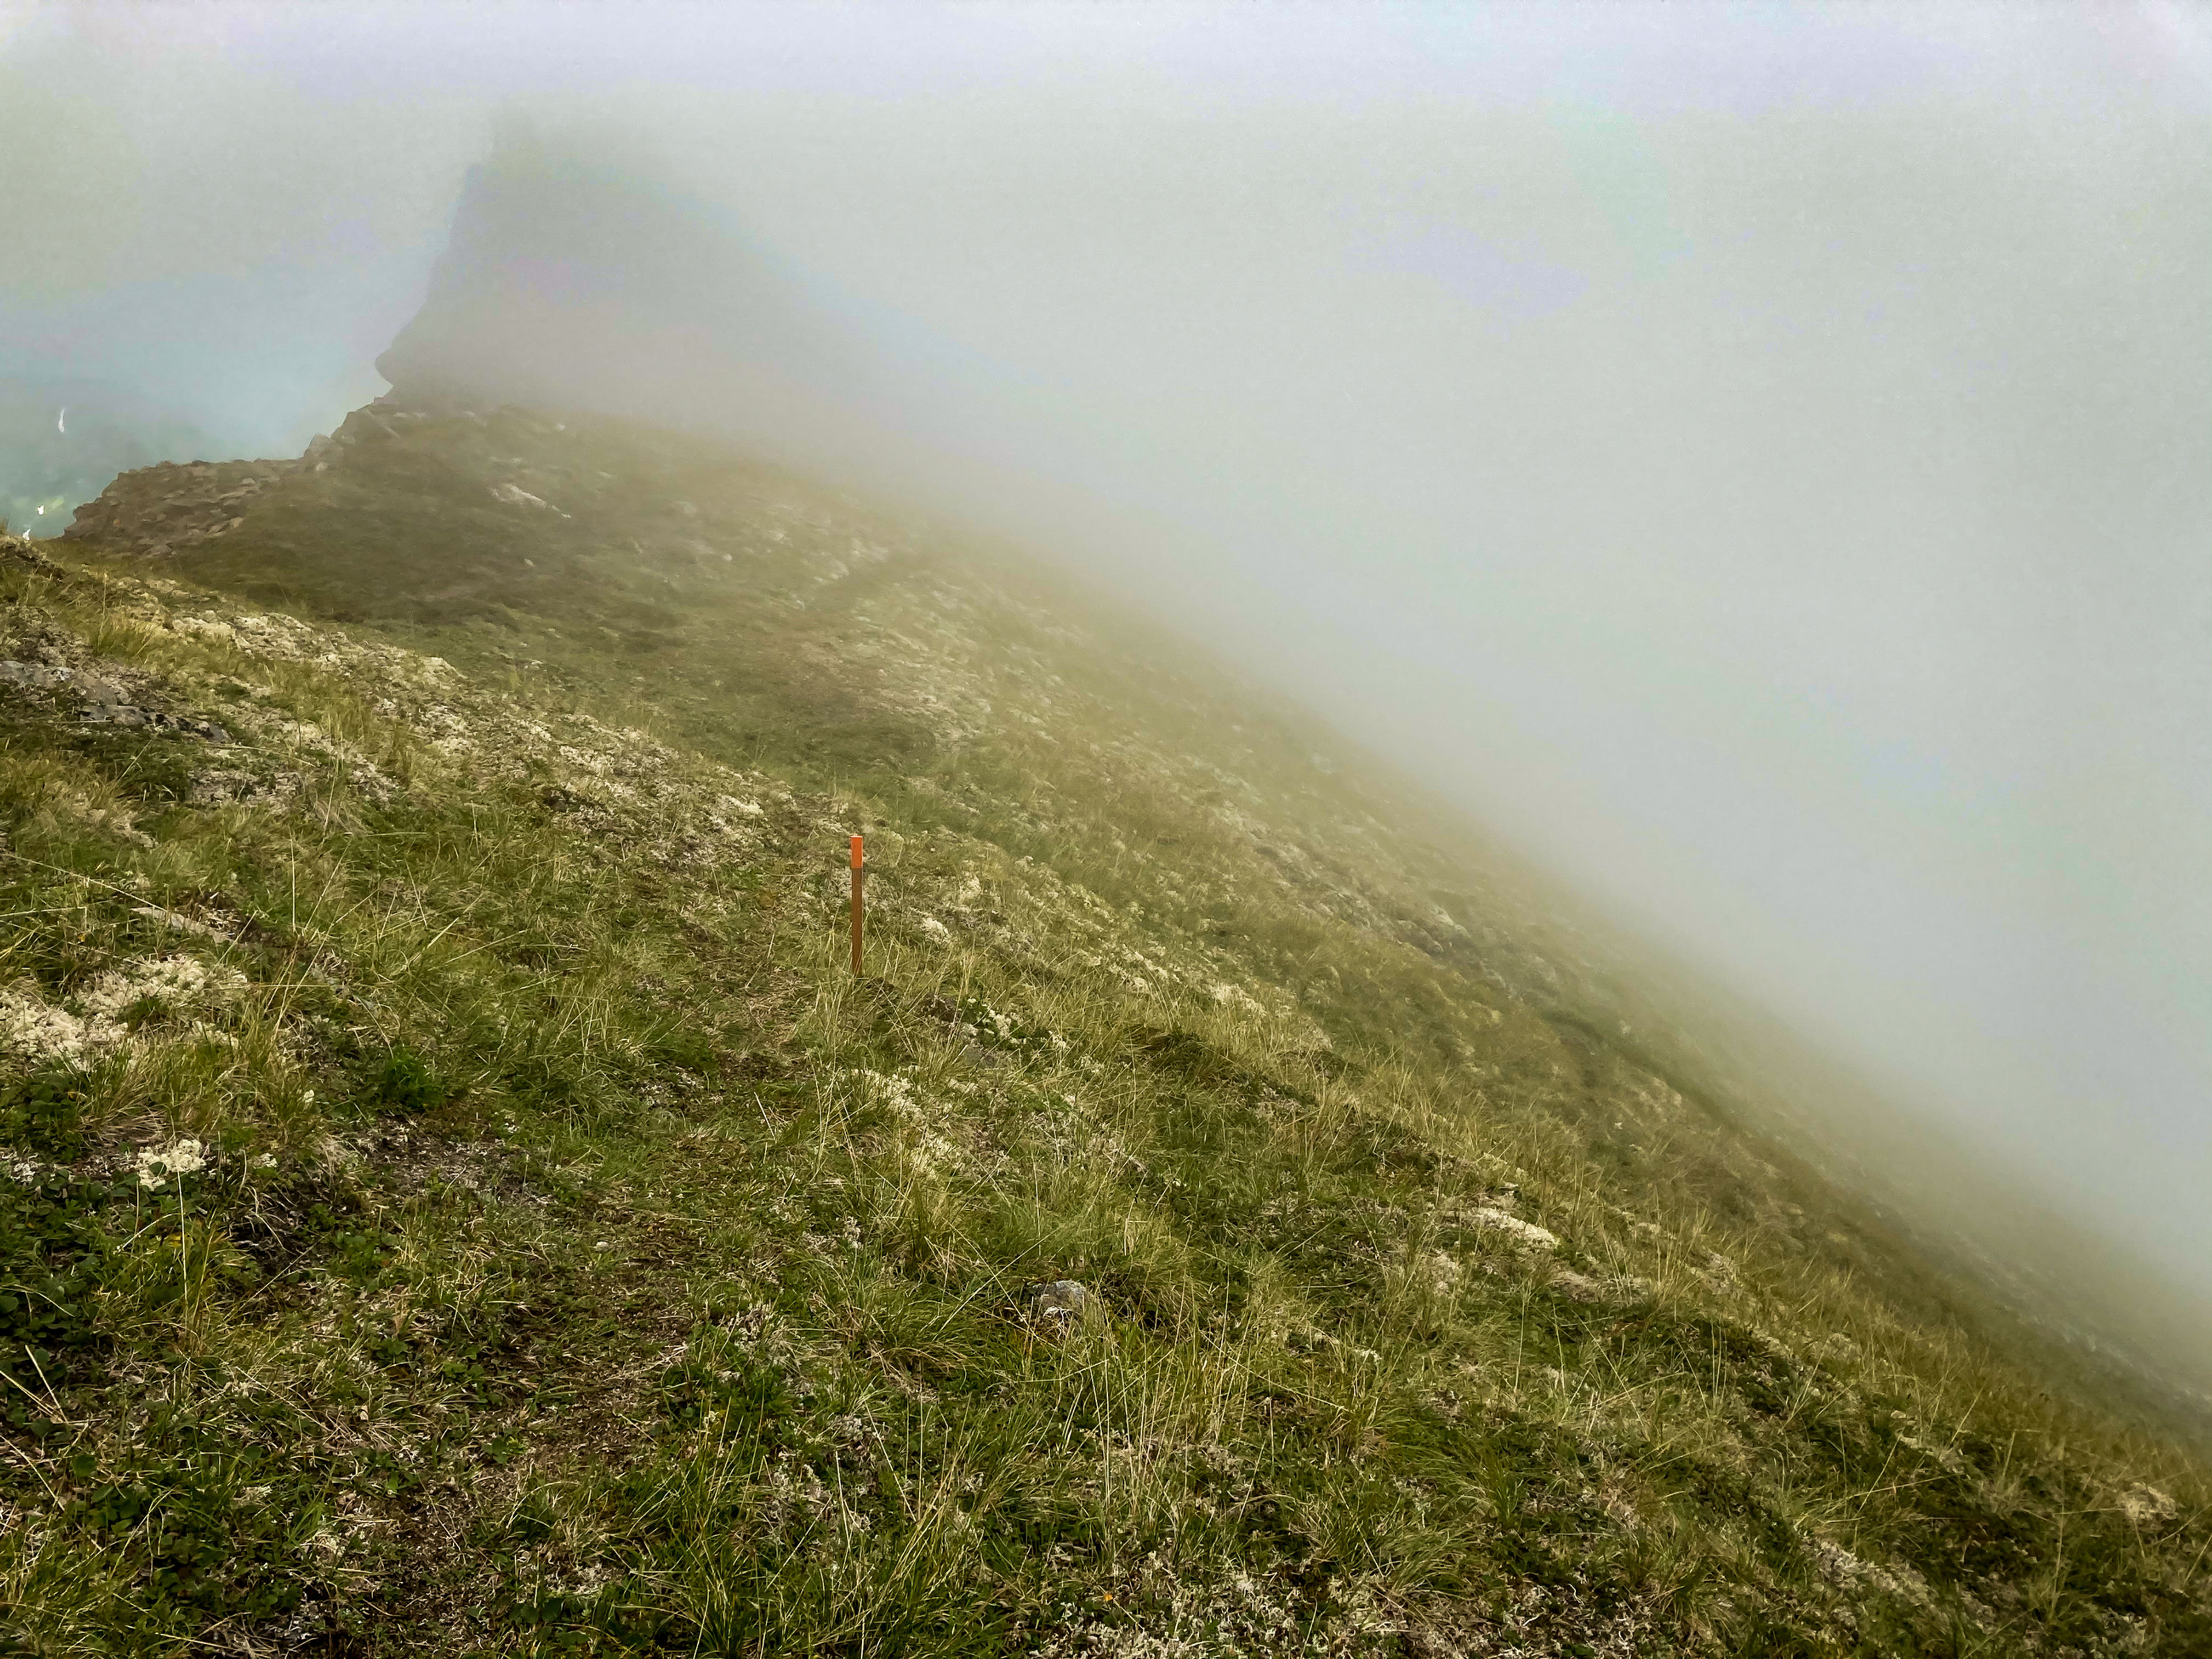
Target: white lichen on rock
{"type": "Point", "coordinates": [1521, 1232]}
{"type": "Point", "coordinates": [157, 1166]}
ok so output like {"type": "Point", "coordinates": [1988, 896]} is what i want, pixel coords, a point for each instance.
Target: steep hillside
{"type": "Point", "coordinates": [457, 1200]}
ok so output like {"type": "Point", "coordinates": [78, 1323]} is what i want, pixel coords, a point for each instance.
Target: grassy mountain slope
{"type": "Point", "coordinates": [457, 1201]}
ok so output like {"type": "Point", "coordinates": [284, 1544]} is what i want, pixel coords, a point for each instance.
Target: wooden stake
{"type": "Point", "coordinates": [856, 905]}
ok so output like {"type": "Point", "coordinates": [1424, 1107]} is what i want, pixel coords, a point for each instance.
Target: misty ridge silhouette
{"type": "Point", "coordinates": [578, 276]}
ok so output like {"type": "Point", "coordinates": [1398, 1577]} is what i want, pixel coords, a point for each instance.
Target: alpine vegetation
{"type": "Point", "coordinates": [457, 1199]}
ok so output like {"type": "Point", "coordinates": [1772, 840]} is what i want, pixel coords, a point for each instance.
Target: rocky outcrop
{"type": "Point", "coordinates": [157, 510]}
{"type": "Point", "coordinates": [574, 280]}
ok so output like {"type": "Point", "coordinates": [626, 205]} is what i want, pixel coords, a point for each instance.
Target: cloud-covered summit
{"type": "Point", "coordinates": [579, 277]}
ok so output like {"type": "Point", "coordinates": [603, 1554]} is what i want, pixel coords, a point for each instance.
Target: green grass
{"type": "Point", "coordinates": [578, 1260]}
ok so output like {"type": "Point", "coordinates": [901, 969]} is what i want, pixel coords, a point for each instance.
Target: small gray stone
{"type": "Point", "coordinates": [1060, 1303]}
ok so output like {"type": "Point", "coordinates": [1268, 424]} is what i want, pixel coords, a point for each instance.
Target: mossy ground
{"type": "Point", "coordinates": [457, 1202]}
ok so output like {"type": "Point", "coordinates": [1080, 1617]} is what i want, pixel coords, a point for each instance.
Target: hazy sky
{"type": "Point", "coordinates": [1760, 458]}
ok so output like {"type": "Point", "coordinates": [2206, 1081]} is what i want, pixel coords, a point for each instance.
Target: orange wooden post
{"type": "Point", "coordinates": [856, 904]}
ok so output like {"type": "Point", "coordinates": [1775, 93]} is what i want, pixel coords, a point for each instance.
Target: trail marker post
{"type": "Point", "coordinates": [857, 872]}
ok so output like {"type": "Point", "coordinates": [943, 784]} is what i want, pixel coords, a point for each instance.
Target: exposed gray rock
{"type": "Point", "coordinates": [107, 703]}
{"type": "Point", "coordinates": [128, 715]}
{"type": "Point", "coordinates": [35, 675]}
{"type": "Point", "coordinates": [1059, 1304]}
{"type": "Point", "coordinates": [155, 511]}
